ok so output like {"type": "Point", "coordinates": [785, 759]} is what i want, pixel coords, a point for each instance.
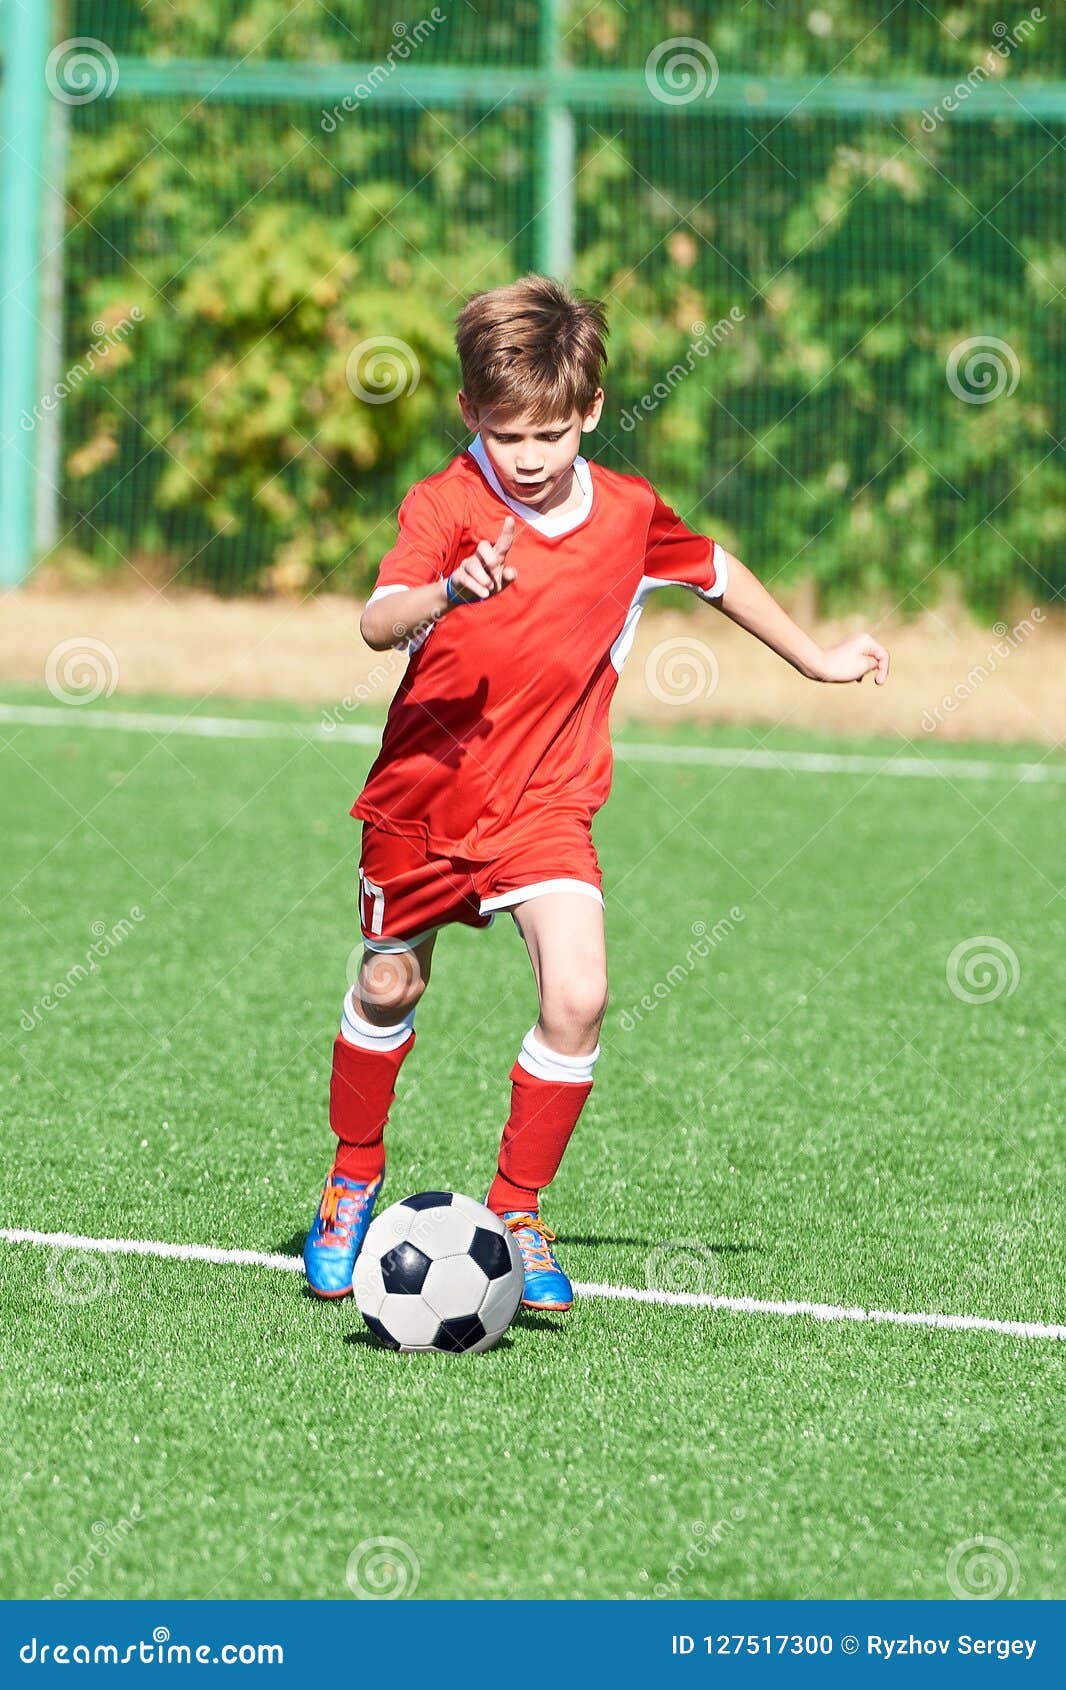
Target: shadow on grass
{"type": "Point", "coordinates": [366, 1340]}
{"type": "Point", "coordinates": [291, 1246]}
{"type": "Point", "coordinates": [595, 1239]}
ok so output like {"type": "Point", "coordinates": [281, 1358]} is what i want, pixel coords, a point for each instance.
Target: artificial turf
{"type": "Point", "coordinates": [805, 1110]}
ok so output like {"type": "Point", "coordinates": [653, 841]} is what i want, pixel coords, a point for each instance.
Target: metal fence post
{"type": "Point", "coordinates": [554, 226]}
{"type": "Point", "coordinates": [23, 113]}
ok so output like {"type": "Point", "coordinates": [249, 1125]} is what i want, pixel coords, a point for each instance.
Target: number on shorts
{"type": "Point", "coordinates": [373, 906]}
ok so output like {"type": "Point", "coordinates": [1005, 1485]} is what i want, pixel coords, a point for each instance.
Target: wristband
{"type": "Point", "coordinates": [452, 596]}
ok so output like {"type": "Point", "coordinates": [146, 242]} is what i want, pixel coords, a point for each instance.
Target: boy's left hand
{"type": "Point", "coordinates": [852, 659]}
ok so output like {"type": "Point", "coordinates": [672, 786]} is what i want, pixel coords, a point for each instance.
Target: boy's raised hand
{"type": "Point", "coordinates": [486, 571]}
{"type": "Point", "coordinates": [853, 658]}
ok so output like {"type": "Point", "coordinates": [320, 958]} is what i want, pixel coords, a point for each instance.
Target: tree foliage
{"type": "Point", "coordinates": [788, 296]}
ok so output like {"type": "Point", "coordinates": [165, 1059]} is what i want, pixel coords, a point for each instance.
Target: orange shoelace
{"type": "Point", "coordinates": [332, 1197]}
{"type": "Point", "coordinates": [538, 1254]}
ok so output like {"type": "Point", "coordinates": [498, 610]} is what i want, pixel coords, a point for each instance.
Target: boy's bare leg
{"type": "Point", "coordinates": [390, 983]}
{"type": "Point", "coordinates": [563, 933]}
{"type": "Point", "coordinates": [552, 1077]}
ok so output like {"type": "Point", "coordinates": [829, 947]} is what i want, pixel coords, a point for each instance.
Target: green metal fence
{"type": "Point", "coordinates": [236, 235]}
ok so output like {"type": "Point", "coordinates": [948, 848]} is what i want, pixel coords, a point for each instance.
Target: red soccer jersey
{"type": "Point", "coordinates": [502, 710]}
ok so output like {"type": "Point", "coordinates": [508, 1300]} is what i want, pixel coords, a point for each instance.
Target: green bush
{"type": "Point", "coordinates": [785, 297]}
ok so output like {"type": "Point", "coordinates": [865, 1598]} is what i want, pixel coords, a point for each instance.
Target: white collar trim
{"type": "Point", "coordinates": [549, 523]}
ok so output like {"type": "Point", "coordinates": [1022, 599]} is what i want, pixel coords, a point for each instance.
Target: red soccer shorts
{"type": "Point", "coordinates": [405, 894]}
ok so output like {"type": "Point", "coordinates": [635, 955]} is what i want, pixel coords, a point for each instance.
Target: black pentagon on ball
{"type": "Point", "coordinates": [458, 1335]}
{"type": "Point", "coordinates": [428, 1200]}
{"type": "Point", "coordinates": [489, 1250]}
{"type": "Point", "coordinates": [404, 1269]}
{"type": "Point", "coordinates": [380, 1333]}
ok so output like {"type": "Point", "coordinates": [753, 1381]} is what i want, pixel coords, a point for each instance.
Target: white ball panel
{"type": "Point", "coordinates": [390, 1227]}
{"type": "Point", "coordinates": [478, 1213]}
{"type": "Point", "coordinates": [441, 1232]}
{"type": "Point", "coordinates": [501, 1303]}
{"type": "Point", "coordinates": [367, 1283]}
{"type": "Point", "coordinates": [454, 1287]}
{"type": "Point", "coordinates": [408, 1319]}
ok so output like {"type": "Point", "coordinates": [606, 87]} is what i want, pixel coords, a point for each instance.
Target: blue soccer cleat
{"type": "Point", "coordinates": [337, 1233]}
{"type": "Point", "coordinates": [547, 1286]}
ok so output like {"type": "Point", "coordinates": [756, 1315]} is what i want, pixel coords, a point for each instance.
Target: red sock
{"type": "Point", "coordinates": [361, 1090]}
{"type": "Point", "coordinates": [543, 1115]}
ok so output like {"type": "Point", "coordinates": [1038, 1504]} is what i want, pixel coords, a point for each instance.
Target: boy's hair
{"type": "Point", "coordinates": [532, 349]}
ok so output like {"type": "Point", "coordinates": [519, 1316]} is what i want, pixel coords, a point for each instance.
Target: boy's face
{"type": "Point", "coordinates": [532, 460]}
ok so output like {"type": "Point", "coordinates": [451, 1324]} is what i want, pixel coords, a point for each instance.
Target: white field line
{"type": "Point", "coordinates": [356, 733]}
{"type": "Point", "coordinates": [619, 1293]}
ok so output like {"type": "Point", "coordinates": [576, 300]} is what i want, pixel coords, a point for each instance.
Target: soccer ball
{"type": "Point", "coordinates": [438, 1272]}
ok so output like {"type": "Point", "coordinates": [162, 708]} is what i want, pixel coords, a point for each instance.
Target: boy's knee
{"type": "Point", "coordinates": [390, 984]}
{"type": "Point", "coordinates": [575, 1008]}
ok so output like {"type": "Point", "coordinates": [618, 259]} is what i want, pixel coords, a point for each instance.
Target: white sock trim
{"type": "Point", "coordinates": [357, 1030]}
{"type": "Point", "coordinates": [545, 1064]}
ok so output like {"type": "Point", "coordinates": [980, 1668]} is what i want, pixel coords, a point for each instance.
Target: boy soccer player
{"type": "Point", "coordinates": [516, 582]}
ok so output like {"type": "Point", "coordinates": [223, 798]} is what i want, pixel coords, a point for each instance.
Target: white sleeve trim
{"type": "Point", "coordinates": [383, 592]}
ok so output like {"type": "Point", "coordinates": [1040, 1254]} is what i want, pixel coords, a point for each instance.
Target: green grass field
{"type": "Point", "coordinates": [808, 1112]}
